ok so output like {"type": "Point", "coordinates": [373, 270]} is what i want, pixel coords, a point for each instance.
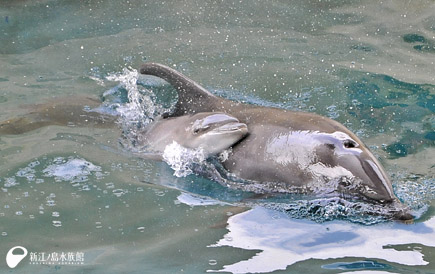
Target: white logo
{"type": "Point", "coordinates": [57, 258]}
{"type": "Point", "coordinates": [14, 259]}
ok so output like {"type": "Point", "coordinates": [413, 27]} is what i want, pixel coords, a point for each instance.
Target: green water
{"type": "Point", "coordinates": [367, 64]}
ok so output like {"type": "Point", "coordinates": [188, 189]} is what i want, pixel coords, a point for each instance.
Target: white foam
{"type": "Point", "coordinates": [10, 182]}
{"type": "Point", "coordinates": [71, 170]}
{"type": "Point", "coordinates": [182, 159]}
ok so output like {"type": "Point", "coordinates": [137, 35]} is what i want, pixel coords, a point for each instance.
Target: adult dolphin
{"type": "Point", "coordinates": [287, 149]}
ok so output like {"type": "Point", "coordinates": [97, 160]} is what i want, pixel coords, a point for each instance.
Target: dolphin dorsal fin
{"type": "Point", "coordinates": [192, 98]}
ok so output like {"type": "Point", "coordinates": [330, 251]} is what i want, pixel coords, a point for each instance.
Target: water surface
{"type": "Point", "coordinates": [366, 64]}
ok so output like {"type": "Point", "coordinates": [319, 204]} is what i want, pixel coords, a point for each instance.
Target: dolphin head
{"type": "Point", "coordinates": [214, 132]}
{"type": "Point", "coordinates": [350, 153]}
{"type": "Point", "coordinates": [354, 156]}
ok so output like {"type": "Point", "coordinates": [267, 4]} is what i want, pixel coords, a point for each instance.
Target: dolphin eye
{"type": "Point", "coordinates": [350, 144]}
{"type": "Point", "coordinates": [197, 130]}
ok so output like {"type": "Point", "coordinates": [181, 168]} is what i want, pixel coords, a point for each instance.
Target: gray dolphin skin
{"type": "Point", "coordinates": [213, 132]}
{"type": "Point", "coordinates": [303, 150]}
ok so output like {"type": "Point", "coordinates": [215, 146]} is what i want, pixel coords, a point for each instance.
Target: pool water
{"type": "Point", "coordinates": [73, 187]}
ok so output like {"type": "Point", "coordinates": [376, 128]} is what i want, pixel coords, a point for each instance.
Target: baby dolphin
{"type": "Point", "coordinates": [213, 132]}
{"type": "Point", "coordinates": [287, 149]}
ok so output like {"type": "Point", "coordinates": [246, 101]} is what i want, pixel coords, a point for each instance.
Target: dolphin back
{"type": "Point", "coordinates": [192, 98]}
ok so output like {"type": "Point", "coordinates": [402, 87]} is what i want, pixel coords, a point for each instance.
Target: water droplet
{"type": "Point", "coordinates": [118, 192]}
{"type": "Point", "coordinates": [50, 203]}
{"type": "Point", "coordinates": [57, 223]}
{"type": "Point", "coordinates": [4, 233]}
{"type": "Point", "coordinates": [139, 189]}
{"type": "Point", "coordinates": [160, 193]}
{"type": "Point", "coordinates": [98, 225]}
{"type": "Point", "coordinates": [141, 228]}
{"type": "Point", "coordinates": [212, 262]}
{"type": "Point", "coordinates": [55, 214]}
{"type": "Point", "coordinates": [9, 182]}
{"type": "Point", "coordinates": [19, 213]}
{"type": "Point", "coordinates": [99, 175]}
{"type": "Point", "coordinates": [85, 188]}
{"type": "Point", "coordinates": [33, 164]}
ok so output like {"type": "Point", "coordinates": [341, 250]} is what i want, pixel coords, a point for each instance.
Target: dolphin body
{"type": "Point", "coordinates": [288, 149]}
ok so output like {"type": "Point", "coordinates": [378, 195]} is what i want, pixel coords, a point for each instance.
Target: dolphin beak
{"type": "Point", "coordinates": [398, 211]}
{"type": "Point", "coordinates": [231, 127]}
{"type": "Point", "coordinates": [377, 177]}
{"type": "Point", "coordinates": [375, 183]}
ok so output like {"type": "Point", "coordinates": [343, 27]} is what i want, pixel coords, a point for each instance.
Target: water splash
{"type": "Point", "coordinates": [72, 169]}
{"type": "Point", "coordinates": [135, 105]}
{"type": "Point", "coordinates": [75, 169]}
{"type": "Point", "coordinates": [140, 108]}
{"type": "Point", "coordinates": [417, 192]}
{"type": "Point", "coordinates": [328, 209]}
{"type": "Point", "coordinates": [182, 160]}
